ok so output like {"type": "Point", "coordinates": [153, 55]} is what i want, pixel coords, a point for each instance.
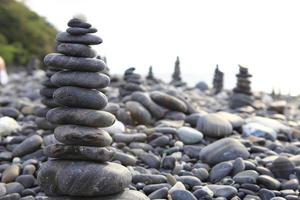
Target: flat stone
{"type": "Point", "coordinates": [223, 150]}
{"type": "Point", "coordinates": [80, 116]}
{"type": "Point", "coordinates": [75, 22]}
{"type": "Point", "coordinates": [80, 97]}
{"type": "Point", "coordinates": [138, 112]}
{"type": "Point", "coordinates": [182, 194]}
{"type": "Point", "coordinates": [150, 159]}
{"type": "Point", "coordinates": [268, 182]}
{"type": "Point", "coordinates": [93, 80]}
{"type": "Point", "coordinates": [14, 187]}
{"type": "Point", "coordinates": [88, 39]}
{"type": "Point", "coordinates": [10, 112]}
{"type": "Point", "coordinates": [29, 145]}
{"type": "Point", "coordinates": [26, 180]}
{"type": "Point", "coordinates": [189, 135]}
{"type": "Point", "coordinates": [80, 178]}
{"type": "Point", "coordinates": [125, 158]}
{"type": "Point", "coordinates": [80, 31]}
{"type": "Point", "coordinates": [248, 176]}
{"type": "Point", "coordinates": [213, 125]}
{"type": "Point", "coordinates": [49, 102]}
{"type": "Point", "coordinates": [219, 171]}
{"type": "Point", "coordinates": [77, 50]}
{"type": "Point", "coordinates": [10, 173]}
{"type": "Point", "coordinates": [82, 135]}
{"type": "Point", "coordinates": [98, 154]}
{"type": "Point", "coordinates": [153, 187]}
{"type": "Point", "coordinates": [159, 194]}
{"type": "Point", "coordinates": [223, 190]}
{"type": "Point", "coordinates": [149, 178]}
{"type": "Point", "coordinates": [168, 101]}
{"type": "Point", "coordinates": [47, 92]}
{"type": "Point", "coordinates": [74, 63]}
{"type": "Point", "coordinates": [126, 195]}
{"type": "Point", "coordinates": [128, 138]}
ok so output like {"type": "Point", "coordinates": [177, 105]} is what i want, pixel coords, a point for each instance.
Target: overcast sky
{"type": "Point", "coordinates": [263, 35]}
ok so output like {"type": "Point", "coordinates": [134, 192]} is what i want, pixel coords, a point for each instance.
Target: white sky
{"type": "Point", "coordinates": [263, 35]}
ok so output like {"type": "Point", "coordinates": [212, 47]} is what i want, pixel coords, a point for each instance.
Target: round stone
{"type": "Point", "coordinates": [219, 171]}
{"type": "Point", "coordinates": [282, 167]}
{"type": "Point", "coordinates": [79, 116]}
{"type": "Point", "coordinates": [29, 145]}
{"type": "Point", "coordinates": [82, 135]}
{"type": "Point", "coordinates": [91, 80]}
{"type": "Point", "coordinates": [74, 63]}
{"type": "Point", "coordinates": [99, 154]}
{"type": "Point", "coordinates": [80, 178]}
{"type": "Point", "coordinates": [223, 150]}
{"type": "Point", "coordinates": [138, 112]}
{"type": "Point", "coordinates": [80, 31]}
{"type": "Point", "coordinates": [26, 180]}
{"type": "Point", "coordinates": [213, 125]}
{"type": "Point", "coordinates": [235, 120]}
{"type": "Point", "coordinates": [168, 101]}
{"type": "Point", "coordinates": [77, 50]}
{"type": "Point", "coordinates": [189, 135]}
{"type": "Point", "coordinates": [75, 22]}
{"type": "Point", "coordinates": [80, 97]}
{"type": "Point", "coordinates": [10, 173]}
{"type": "Point", "coordinates": [88, 39]}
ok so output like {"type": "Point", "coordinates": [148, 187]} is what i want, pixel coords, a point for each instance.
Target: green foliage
{"type": "Point", "coordinates": [23, 33]}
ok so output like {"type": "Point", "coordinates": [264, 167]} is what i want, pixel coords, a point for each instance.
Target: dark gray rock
{"type": "Point", "coordinates": [223, 190]}
{"type": "Point", "coordinates": [14, 187]}
{"type": "Point", "coordinates": [77, 50]}
{"type": "Point", "coordinates": [168, 101]}
{"type": "Point", "coordinates": [82, 135]}
{"type": "Point", "coordinates": [150, 159]}
{"type": "Point", "coordinates": [26, 180]}
{"type": "Point", "coordinates": [149, 178]}
{"type": "Point", "coordinates": [182, 194]}
{"type": "Point", "coordinates": [282, 167]}
{"type": "Point", "coordinates": [80, 31]}
{"type": "Point", "coordinates": [138, 112]}
{"type": "Point", "coordinates": [159, 194]}
{"type": "Point", "coordinates": [59, 177]}
{"type": "Point", "coordinates": [268, 182]}
{"type": "Point", "coordinates": [80, 79]}
{"type": "Point", "coordinates": [248, 176]}
{"type": "Point", "coordinates": [88, 39]}
{"type": "Point", "coordinates": [128, 138]}
{"type": "Point", "coordinates": [98, 154]}
{"type": "Point", "coordinates": [75, 22]}
{"type": "Point", "coordinates": [74, 63]}
{"type": "Point", "coordinates": [14, 196]}
{"type": "Point", "coordinates": [80, 116]}
{"type": "Point", "coordinates": [219, 171]}
{"type": "Point", "coordinates": [29, 145]}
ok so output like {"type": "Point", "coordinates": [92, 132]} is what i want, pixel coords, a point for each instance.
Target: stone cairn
{"type": "Point", "coordinates": [151, 80]}
{"type": "Point", "coordinates": [176, 76]}
{"type": "Point", "coordinates": [47, 92]}
{"type": "Point", "coordinates": [242, 95]}
{"type": "Point", "coordinates": [218, 80]}
{"type": "Point", "coordinates": [132, 82]}
{"type": "Point", "coordinates": [80, 164]}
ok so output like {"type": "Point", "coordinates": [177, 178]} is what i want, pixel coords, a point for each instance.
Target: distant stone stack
{"type": "Point", "coordinates": [242, 95]}
{"type": "Point", "coordinates": [151, 80]}
{"type": "Point", "coordinates": [218, 81]}
{"type": "Point", "coordinates": [80, 167]}
{"type": "Point", "coordinates": [132, 82]}
{"type": "Point", "coordinates": [47, 99]}
{"type": "Point", "coordinates": [176, 76]}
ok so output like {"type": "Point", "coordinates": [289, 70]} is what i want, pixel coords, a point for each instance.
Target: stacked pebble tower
{"type": "Point", "coordinates": [80, 164]}
{"type": "Point", "coordinates": [47, 92]}
{"type": "Point", "coordinates": [176, 76]}
{"type": "Point", "coordinates": [218, 80]}
{"type": "Point", "coordinates": [132, 82]}
{"type": "Point", "coordinates": [242, 95]}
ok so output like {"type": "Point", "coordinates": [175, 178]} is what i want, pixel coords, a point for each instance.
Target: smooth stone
{"type": "Point", "coordinates": [144, 99]}
{"type": "Point", "coordinates": [2, 189]}
{"type": "Point", "coordinates": [190, 181]}
{"type": "Point", "coordinates": [80, 116]}
{"type": "Point", "coordinates": [117, 127]}
{"type": "Point", "coordinates": [153, 187]}
{"type": "Point", "coordinates": [150, 159]}
{"type": "Point", "coordinates": [238, 166]}
{"type": "Point", "coordinates": [138, 112]}
{"type": "Point", "coordinates": [235, 120]}
{"type": "Point", "coordinates": [213, 125]}
{"type": "Point", "coordinates": [77, 50]}
{"type": "Point", "coordinates": [98, 154]}
{"type": "Point", "coordinates": [219, 171]}
{"type": "Point", "coordinates": [88, 39]}
{"type": "Point", "coordinates": [60, 177]}
{"type": "Point", "coordinates": [192, 119]}
{"type": "Point", "coordinates": [14, 187]}
{"type": "Point", "coordinates": [201, 173]}
{"type": "Point", "coordinates": [248, 176]}
{"type": "Point", "coordinates": [259, 130]}
{"type": "Point", "coordinates": [8, 126]}
{"type": "Point", "coordinates": [81, 79]}
{"type": "Point", "coordinates": [43, 123]}
{"type": "Point", "coordinates": [80, 31]}
{"type": "Point", "coordinates": [124, 116]}
{"type": "Point", "coordinates": [128, 138]}
{"type": "Point", "coordinates": [49, 102]}
{"type": "Point", "coordinates": [182, 194]}
{"type": "Point", "coordinates": [29, 169]}
{"type": "Point", "coordinates": [126, 195]}
{"type": "Point", "coordinates": [159, 194]}
{"type": "Point", "coordinates": [14, 196]}
{"type": "Point", "coordinates": [290, 184]}
{"type": "Point", "coordinates": [26, 180]}
{"type": "Point", "coordinates": [75, 22]}
{"type": "Point", "coordinates": [223, 150]}
{"type": "Point", "coordinates": [168, 162]}
{"type": "Point", "coordinates": [74, 63]}
{"type": "Point", "coordinates": [268, 182]}
{"type": "Point", "coordinates": [10, 173]}
{"type": "Point", "coordinates": [29, 145]}
{"type": "Point", "coordinates": [125, 158]}
{"type": "Point", "coordinates": [149, 178]}
{"type": "Point", "coordinates": [10, 112]}
{"type": "Point", "coordinates": [189, 135]}
{"type": "Point", "coordinates": [47, 92]}
{"type": "Point", "coordinates": [238, 100]}
{"type": "Point", "coordinates": [161, 141]}
{"type": "Point", "coordinates": [82, 135]}
{"type": "Point", "coordinates": [282, 167]}
{"type": "Point", "coordinates": [77, 97]}
{"type": "Point", "coordinates": [223, 190]}
{"type": "Point", "coordinates": [265, 194]}
{"type": "Point", "coordinates": [50, 139]}
{"type": "Point", "coordinates": [168, 101]}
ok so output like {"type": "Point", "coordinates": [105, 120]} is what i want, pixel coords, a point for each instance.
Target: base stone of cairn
{"type": "Point", "coordinates": [79, 167]}
{"type": "Point", "coordinates": [176, 76]}
{"type": "Point", "coordinates": [242, 95]}
{"type": "Point", "coordinates": [218, 81]}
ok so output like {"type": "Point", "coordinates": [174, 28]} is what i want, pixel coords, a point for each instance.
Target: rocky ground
{"type": "Point", "coordinates": [178, 143]}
